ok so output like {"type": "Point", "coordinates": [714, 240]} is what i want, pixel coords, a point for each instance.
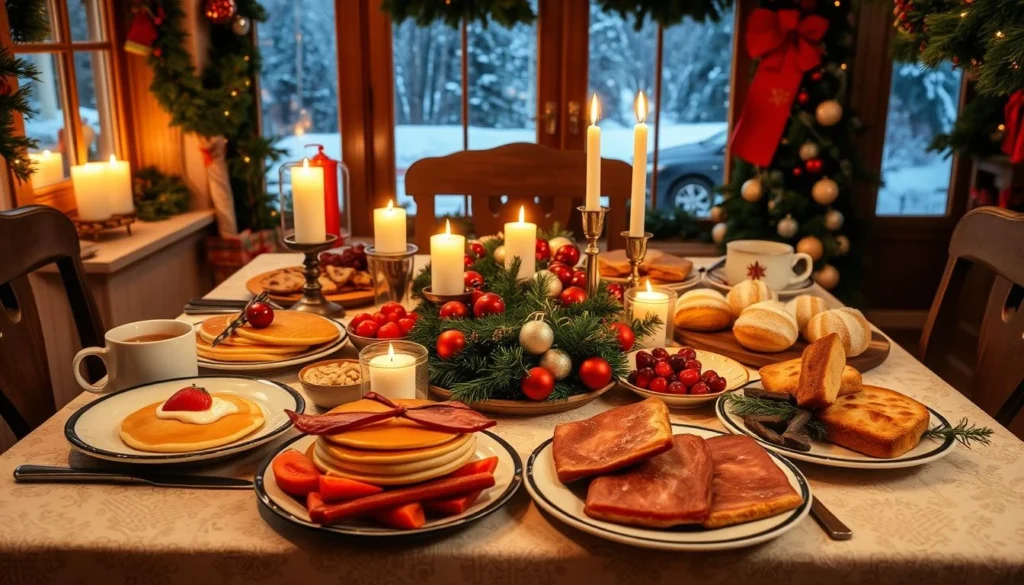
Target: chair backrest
{"type": "Point", "coordinates": [994, 239]}
{"type": "Point", "coordinates": [30, 238]}
{"type": "Point", "coordinates": [550, 183]}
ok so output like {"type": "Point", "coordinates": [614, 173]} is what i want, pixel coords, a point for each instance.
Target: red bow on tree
{"type": "Point", "coordinates": [1013, 139]}
{"type": "Point", "coordinates": [788, 46]}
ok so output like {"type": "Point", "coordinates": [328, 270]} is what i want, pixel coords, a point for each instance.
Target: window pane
{"type": "Point", "coordinates": [428, 116]}
{"type": "Point", "coordinates": [95, 104]}
{"type": "Point", "coordinates": [922, 103]}
{"type": "Point", "coordinates": [85, 18]}
{"type": "Point", "coordinates": [48, 126]}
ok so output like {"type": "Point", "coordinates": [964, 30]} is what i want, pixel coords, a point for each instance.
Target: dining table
{"type": "Point", "coordinates": [956, 520]}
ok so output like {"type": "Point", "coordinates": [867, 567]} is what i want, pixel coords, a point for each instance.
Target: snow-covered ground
{"type": "Point", "coordinates": [917, 190]}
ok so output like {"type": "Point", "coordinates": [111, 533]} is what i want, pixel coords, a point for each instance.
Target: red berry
{"type": "Point", "coordinates": [579, 278]}
{"type": "Point", "coordinates": [708, 376]}
{"type": "Point", "coordinates": [664, 369]}
{"type": "Point", "coordinates": [644, 359]}
{"type": "Point", "coordinates": [718, 384]}
{"type": "Point", "coordinates": [658, 384]}
{"type": "Point", "coordinates": [688, 352]}
{"type": "Point", "coordinates": [472, 279]}
{"type": "Point", "coordinates": [488, 304]}
{"type": "Point", "coordinates": [391, 307]}
{"type": "Point", "coordinates": [689, 377]}
{"type": "Point", "coordinates": [367, 328]}
{"type": "Point", "coordinates": [193, 399]}
{"type": "Point", "coordinates": [677, 362]}
{"type": "Point", "coordinates": [389, 331]}
{"type": "Point", "coordinates": [700, 388]}
{"type": "Point", "coordinates": [406, 324]}
{"type": "Point", "coordinates": [694, 364]}
{"type": "Point", "coordinates": [676, 387]}
{"type": "Point", "coordinates": [454, 310]}
{"type": "Point", "coordinates": [358, 319]}
{"type": "Point", "coordinates": [660, 353]}
{"type": "Point", "coordinates": [644, 377]}
{"type": "Point", "coordinates": [259, 315]}
{"type": "Point", "coordinates": [379, 317]}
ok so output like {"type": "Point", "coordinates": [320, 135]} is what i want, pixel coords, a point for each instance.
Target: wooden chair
{"type": "Point", "coordinates": [30, 238]}
{"type": "Point", "coordinates": [992, 238]}
{"type": "Point", "coordinates": [549, 183]}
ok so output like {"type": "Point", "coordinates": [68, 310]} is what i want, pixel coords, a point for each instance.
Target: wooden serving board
{"type": "Point", "coordinates": [356, 298]}
{"type": "Point", "coordinates": [528, 407]}
{"type": "Point", "coordinates": [724, 342]}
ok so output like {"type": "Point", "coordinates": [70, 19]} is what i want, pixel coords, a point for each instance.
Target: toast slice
{"type": "Point", "coordinates": [784, 377]}
{"type": "Point", "coordinates": [876, 421]}
{"type": "Point", "coordinates": [821, 371]}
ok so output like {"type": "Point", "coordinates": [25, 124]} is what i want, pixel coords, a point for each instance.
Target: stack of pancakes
{"type": "Point", "coordinates": [393, 452]}
{"type": "Point", "coordinates": [290, 335]}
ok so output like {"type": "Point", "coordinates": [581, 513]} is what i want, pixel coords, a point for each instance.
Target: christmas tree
{"type": "Point", "coordinates": [793, 144]}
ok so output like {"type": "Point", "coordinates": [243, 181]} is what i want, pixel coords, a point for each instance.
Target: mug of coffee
{"type": "Point", "coordinates": [772, 262]}
{"type": "Point", "coordinates": [142, 352]}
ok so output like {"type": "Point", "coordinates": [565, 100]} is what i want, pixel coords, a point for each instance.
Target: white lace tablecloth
{"type": "Point", "coordinates": [958, 520]}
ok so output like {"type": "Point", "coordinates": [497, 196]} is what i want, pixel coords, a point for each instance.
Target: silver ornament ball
{"type": "Point", "coordinates": [554, 285]}
{"type": "Point", "coordinates": [557, 362]}
{"type": "Point", "coordinates": [499, 254]}
{"type": "Point", "coordinates": [240, 25]}
{"type": "Point", "coordinates": [751, 190]}
{"type": "Point", "coordinates": [787, 227]}
{"type": "Point", "coordinates": [834, 220]}
{"type": "Point", "coordinates": [536, 337]}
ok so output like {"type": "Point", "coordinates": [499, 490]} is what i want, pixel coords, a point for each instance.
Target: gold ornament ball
{"type": "Point", "coordinates": [557, 362]}
{"type": "Point", "coordinates": [554, 285]}
{"type": "Point", "coordinates": [718, 233]}
{"type": "Point", "coordinates": [751, 190]}
{"type": "Point", "coordinates": [827, 277]}
{"type": "Point", "coordinates": [811, 246]}
{"type": "Point", "coordinates": [499, 254]}
{"type": "Point", "coordinates": [808, 150]}
{"type": "Point", "coordinates": [772, 204]}
{"type": "Point", "coordinates": [824, 191]}
{"type": "Point", "coordinates": [842, 244]}
{"type": "Point", "coordinates": [787, 227]}
{"type": "Point", "coordinates": [717, 214]}
{"type": "Point", "coordinates": [834, 220]}
{"type": "Point", "coordinates": [828, 113]}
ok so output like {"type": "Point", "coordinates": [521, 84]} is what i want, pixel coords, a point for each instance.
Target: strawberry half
{"type": "Point", "coordinates": [192, 399]}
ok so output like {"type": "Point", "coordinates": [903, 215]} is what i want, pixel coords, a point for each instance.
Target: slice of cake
{"type": "Point", "coordinates": [876, 422]}
{"type": "Point", "coordinates": [821, 371]}
{"type": "Point", "coordinates": [784, 377]}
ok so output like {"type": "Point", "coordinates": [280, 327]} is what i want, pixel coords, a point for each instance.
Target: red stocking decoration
{"type": "Point", "coordinates": [141, 34]}
{"type": "Point", "coordinates": [1013, 139]}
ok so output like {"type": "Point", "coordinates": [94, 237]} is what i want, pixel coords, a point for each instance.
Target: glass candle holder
{"type": "Point", "coordinates": [643, 301]}
{"type": "Point", "coordinates": [395, 369]}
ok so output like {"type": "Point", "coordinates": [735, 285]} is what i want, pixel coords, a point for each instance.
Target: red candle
{"type": "Point", "coordinates": [331, 210]}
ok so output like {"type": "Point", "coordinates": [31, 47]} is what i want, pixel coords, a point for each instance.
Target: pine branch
{"type": "Point", "coordinates": [499, 380]}
{"type": "Point", "coordinates": [28, 20]}
{"type": "Point", "coordinates": [963, 433]}
{"type": "Point", "coordinates": [646, 326]}
{"type": "Point", "coordinates": [746, 406]}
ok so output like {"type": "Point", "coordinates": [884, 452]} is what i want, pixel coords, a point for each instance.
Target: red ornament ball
{"type": "Point", "coordinates": [489, 304]}
{"type": "Point", "coordinates": [467, 261]}
{"type": "Point", "coordinates": [454, 310]}
{"type": "Point", "coordinates": [543, 250]}
{"type": "Point", "coordinates": [572, 295]}
{"type": "Point", "coordinates": [219, 11]}
{"type": "Point", "coordinates": [618, 291]}
{"type": "Point", "coordinates": [450, 343]}
{"type": "Point", "coordinates": [259, 315]}
{"type": "Point", "coordinates": [817, 75]}
{"type": "Point", "coordinates": [803, 97]}
{"type": "Point", "coordinates": [537, 383]}
{"type": "Point", "coordinates": [595, 373]}
{"type": "Point", "coordinates": [579, 278]}
{"type": "Point", "coordinates": [477, 250]}
{"type": "Point", "coordinates": [568, 254]}
{"type": "Point", "coordinates": [476, 294]}
{"type": "Point", "coordinates": [562, 272]}
{"type": "Point", "coordinates": [797, 172]}
{"type": "Point", "coordinates": [624, 335]}
{"type": "Point", "coordinates": [813, 165]}
{"type": "Point", "coordinates": [472, 279]}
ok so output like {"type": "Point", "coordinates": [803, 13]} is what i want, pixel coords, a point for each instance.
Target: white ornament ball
{"type": "Point", "coordinates": [808, 150]}
{"type": "Point", "coordinates": [843, 244]}
{"type": "Point", "coordinates": [554, 285]}
{"type": "Point", "coordinates": [824, 191]}
{"type": "Point", "coordinates": [827, 277]}
{"type": "Point", "coordinates": [834, 220]}
{"type": "Point", "coordinates": [717, 214]}
{"type": "Point", "coordinates": [557, 362]}
{"type": "Point", "coordinates": [751, 190]}
{"type": "Point", "coordinates": [559, 241]}
{"type": "Point", "coordinates": [718, 233]}
{"type": "Point", "coordinates": [787, 227]}
{"type": "Point", "coordinates": [536, 337]}
{"type": "Point", "coordinates": [828, 113]}
{"type": "Point", "coordinates": [499, 254]}
{"type": "Point", "coordinates": [811, 246]}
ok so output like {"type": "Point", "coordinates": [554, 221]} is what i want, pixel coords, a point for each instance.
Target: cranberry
{"type": "Point", "coordinates": [379, 317]}
{"type": "Point", "coordinates": [693, 364]}
{"type": "Point", "coordinates": [644, 360]}
{"type": "Point", "coordinates": [718, 384]}
{"type": "Point", "coordinates": [367, 328]}
{"type": "Point", "coordinates": [631, 378]}
{"type": "Point", "coordinates": [392, 307]}
{"type": "Point", "coordinates": [708, 376]}
{"type": "Point", "coordinates": [664, 369]}
{"type": "Point", "coordinates": [688, 352]}
{"type": "Point", "coordinates": [359, 319]}
{"type": "Point", "coordinates": [689, 377]}
{"type": "Point", "coordinates": [660, 353]}
{"type": "Point", "coordinates": [658, 384]}
{"type": "Point", "coordinates": [676, 387]}
{"type": "Point", "coordinates": [677, 362]}
{"type": "Point", "coordinates": [406, 324]}
{"type": "Point", "coordinates": [700, 388]}
{"type": "Point", "coordinates": [644, 377]}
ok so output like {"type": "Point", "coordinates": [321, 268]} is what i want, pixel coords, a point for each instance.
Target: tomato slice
{"type": "Point", "coordinates": [479, 466]}
{"type": "Point", "coordinates": [337, 489]}
{"type": "Point", "coordinates": [451, 506]}
{"type": "Point", "coordinates": [295, 474]}
{"type": "Point", "coordinates": [405, 517]}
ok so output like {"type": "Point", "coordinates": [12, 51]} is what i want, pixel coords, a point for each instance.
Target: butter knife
{"type": "Point", "coordinates": [832, 526]}
{"type": "Point", "coordinates": [240, 320]}
{"type": "Point", "coordinates": [47, 474]}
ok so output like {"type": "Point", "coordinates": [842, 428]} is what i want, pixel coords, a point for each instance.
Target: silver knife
{"type": "Point", "coordinates": [47, 474]}
{"type": "Point", "coordinates": [240, 320]}
{"type": "Point", "coordinates": [833, 526]}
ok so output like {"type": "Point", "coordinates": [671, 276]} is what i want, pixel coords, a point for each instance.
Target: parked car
{"type": "Point", "coordinates": [689, 173]}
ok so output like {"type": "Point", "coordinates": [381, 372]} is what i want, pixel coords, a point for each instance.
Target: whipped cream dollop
{"type": "Point", "coordinates": [218, 410]}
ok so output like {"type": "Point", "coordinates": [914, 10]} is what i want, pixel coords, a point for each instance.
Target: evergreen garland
{"type": "Point", "coordinates": [28, 23]}
{"type": "Point", "coordinates": [158, 195]}
{"type": "Point", "coordinates": [28, 20]}
{"type": "Point", "coordinates": [977, 131]}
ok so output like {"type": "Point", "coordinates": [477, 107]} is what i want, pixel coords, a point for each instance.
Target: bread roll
{"type": "Point", "coordinates": [747, 293]}
{"type": "Point", "coordinates": [849, 324]}
{"type": "Point", "coordinates": [703, 310]}
{"type": "Point", "coordinates": [804, 307]}
{"type": "Point", "coordinates": [766, 327]}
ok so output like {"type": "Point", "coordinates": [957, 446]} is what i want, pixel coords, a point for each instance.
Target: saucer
{"type": "Point", "coordinates": [716, 279]}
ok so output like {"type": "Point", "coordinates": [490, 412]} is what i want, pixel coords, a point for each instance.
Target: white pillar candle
{"type": "Point", "coordinates": [49, 168]}
{"type": "Point", "coordinates": [651, 302]}
{"type": "Point", "coordinates": [308, 203]}
{"type": "Point", "coordinates": [593, 159]}
{"type": "Point", "coordinates": [521, 242]}
{"type": "Point", "coordinates": [447, 253]}
{"type": "Point", "coordinates": [389, 229]}
{"type": "Point", "coordinates": [393, 375]}
{"type": "Point", "coordinates": [91, 191]}
{"type": "Point", "coordinates": [119, 187]}
{"type": "Point", "coordinates": [638, 195]}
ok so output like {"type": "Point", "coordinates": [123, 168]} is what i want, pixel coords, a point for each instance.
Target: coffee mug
{"type": "Point", "coordinates": [771, 262]}
{"type": "Point", "coordinates": [141, 353]}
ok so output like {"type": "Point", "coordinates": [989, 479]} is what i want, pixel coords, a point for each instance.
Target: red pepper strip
{"type": "Point", "coordinates": [451, 417]}
{"type": "Point", "coordinates": [440, 488]}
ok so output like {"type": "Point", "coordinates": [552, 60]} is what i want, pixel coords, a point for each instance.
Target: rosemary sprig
{"type": "Point", "coordinates": [747, 406]}
{"type": "Point", "coordinates": [964, 432]}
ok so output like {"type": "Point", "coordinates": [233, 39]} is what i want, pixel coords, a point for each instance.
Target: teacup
{"type": "Point", "coordinates": [771, 262]}
{"type": "Point", "coordinates": [141, 353]}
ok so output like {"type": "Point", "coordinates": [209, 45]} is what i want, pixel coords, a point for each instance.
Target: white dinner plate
{"type": "Point", "coordinates": [566, 504]}
{"type": "Point", "coordinates": [735, 374]}
{"type": "Point", "coordinates": [95, 428]}
{"type": "Point", "coordinates": [828, 454]}
{"type": "Point", "coordinates": [507, 479]}
{"type": "Point", "coordinates": [314, 353]}
{"type": "Point", "coordinates": [716, 279]}
{"type": "Point", "coordinates": [691, 280]}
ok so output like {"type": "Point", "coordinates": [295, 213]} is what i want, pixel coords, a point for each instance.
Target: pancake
{"type": "Point", "coordinates": [394, 469]}
{"type": "Point", "coordinates": [142, 429]}
{"type": "Point", "coordinates": [235, 341]}
{"type": "Point", "coordinates": [248, 357]}
{"type": "Point", "coordinates": [366, 457]}
{"type": "Point", "coordinates": [392, 480]}
{"type": "Point", "coordinates": [393, 434]}
{"type": "Point", "coordinates": [242, 350]}
{"type": "Point", "coordinates": [290, 328]}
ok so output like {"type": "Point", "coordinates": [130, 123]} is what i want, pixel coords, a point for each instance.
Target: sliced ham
{"type": "Point", "coordinates": [747, 484]}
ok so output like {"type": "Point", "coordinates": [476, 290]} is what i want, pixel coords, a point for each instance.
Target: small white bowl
{"type": "Point", "coordinates": [735, 374]}
{"type": "Point", "coordinates": [330, 396]}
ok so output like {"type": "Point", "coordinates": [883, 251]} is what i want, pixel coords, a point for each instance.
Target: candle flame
{"type": "Point", "coordinates": [641, 108]}
{"type": "Point", "coordinates": [522, 213]}
{"type": "Point", "coordinates": [447, 227]}
{"type": "Point", "coordinates": [47, 153]}
{"type": "Point", "coordinates": [391, 351]}
{"type": "Point", "coordinates": [649, 289]}
{"type": "Point", "coordinates": [305, 163]}
{"type": "Point", "coordinates": [113, 159]}
{"type": "Point", "coordinates": [593, 110]}
{"type": "Point", "coordinates": [391, 204]}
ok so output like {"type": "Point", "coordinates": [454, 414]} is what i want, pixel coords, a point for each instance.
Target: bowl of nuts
{"type": "Point", "coordinates": [332, 383]}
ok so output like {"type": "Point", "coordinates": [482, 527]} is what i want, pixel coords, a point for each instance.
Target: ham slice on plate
{"type": "Point", "coordinates": [611, 440]}
{"type": "Point", "coordinates": [666, 490]}
{"type": "Point", "coordinates": [747, 484]}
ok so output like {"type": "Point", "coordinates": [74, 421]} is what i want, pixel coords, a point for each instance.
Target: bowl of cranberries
{"type": "Point", "coordinates": [683, 377]}
{"type": "Point", "coordinates": [389, 322]}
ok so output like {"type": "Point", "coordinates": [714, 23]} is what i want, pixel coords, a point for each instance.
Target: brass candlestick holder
{"type": "Point", "coordinates": [636, 250]}
{"type": "Point", "coordinates": [391, 273]}
{"type": "Point", "coordinates": [313, 300]}
{"type": "Point", "coordinates": [593, 227]}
